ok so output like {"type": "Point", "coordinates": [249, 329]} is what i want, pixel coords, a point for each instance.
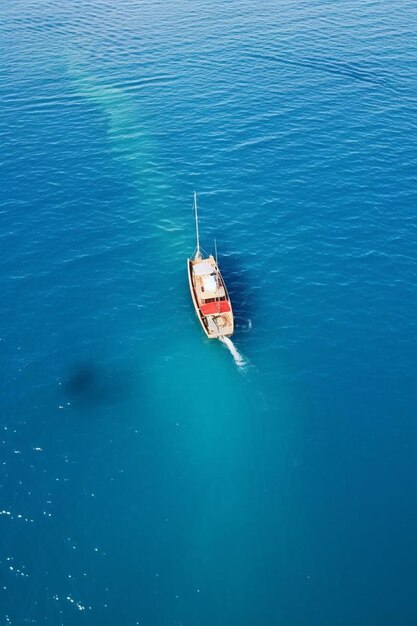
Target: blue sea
{"type": "Point", "coordinates": [149, 476]}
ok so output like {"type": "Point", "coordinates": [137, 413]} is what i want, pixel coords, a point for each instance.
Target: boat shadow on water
{"type": "Point", "coordinates": [242, 294]}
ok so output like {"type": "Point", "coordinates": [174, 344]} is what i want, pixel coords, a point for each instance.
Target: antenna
{"type": "Point", "coordinates": [215, 250]}
{"type": "Point", "coordinates": [197, 254]}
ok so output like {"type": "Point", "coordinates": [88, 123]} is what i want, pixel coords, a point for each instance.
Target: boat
{"type": "Point", "coordinates": [208, 291]}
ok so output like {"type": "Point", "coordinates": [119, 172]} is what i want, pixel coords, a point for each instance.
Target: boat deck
{"type": "Point", "coordinates": [211, 299]}
{"type": "Point", "coordinates": [208, 291]}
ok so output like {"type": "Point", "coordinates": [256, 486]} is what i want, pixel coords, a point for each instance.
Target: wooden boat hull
{"type": "Point", "coordinates": [214, 312]}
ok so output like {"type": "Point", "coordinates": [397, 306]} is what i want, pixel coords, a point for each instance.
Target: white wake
{"type": "Point", "coordinates": [238, 358]}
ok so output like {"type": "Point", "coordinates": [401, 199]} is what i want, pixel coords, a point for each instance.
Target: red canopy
{"type": "Point", "coordinates": [211, 308]}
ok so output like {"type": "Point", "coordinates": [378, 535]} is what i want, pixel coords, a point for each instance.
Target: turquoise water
{"type": "Point", "coordinates": [145, 477]}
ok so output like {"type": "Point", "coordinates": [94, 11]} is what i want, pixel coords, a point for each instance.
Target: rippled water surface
{"type": "Point", "coordinates": [145, 477]}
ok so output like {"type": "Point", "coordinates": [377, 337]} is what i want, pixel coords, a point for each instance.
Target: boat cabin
{"type": "Point", "coordinates": [212, 301]}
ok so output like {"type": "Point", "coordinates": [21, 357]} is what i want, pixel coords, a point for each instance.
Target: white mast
{"type": "Point", "coordinates": [198, 253]}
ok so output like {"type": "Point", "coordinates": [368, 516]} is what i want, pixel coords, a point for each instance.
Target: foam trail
{"type": "Point", "coordinates": [238, 358]}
